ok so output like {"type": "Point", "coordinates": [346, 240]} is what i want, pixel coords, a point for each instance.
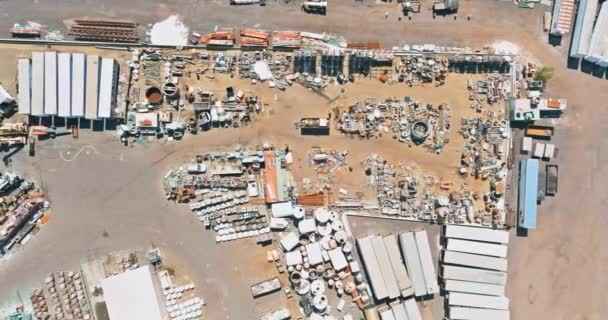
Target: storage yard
{"type": "Point", "coordinates": [340, 177]}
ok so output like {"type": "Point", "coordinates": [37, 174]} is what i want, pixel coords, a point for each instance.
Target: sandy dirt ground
{"type": "Point", "coordinates": [557, 272]}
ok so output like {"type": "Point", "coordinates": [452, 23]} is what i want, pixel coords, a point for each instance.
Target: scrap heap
{"type": "Point", "coordinates": [319, 256]}
{"type": "Point", "coordinates": [22, 205]}
{"type": "Point", "coordinates": [254, 38]}
{"type": "Point", "coordinates": [484, 153]}
{"type": "Point", "coordinates": [495, 87]}
{"type": "Point", "coordinates": [104, 30]}
{"type": "Point", "coordinates": [327, 161]}
{"type": "Point", "coordinates": [409, 121]}
{"type": "Point", "coordinates": [220, 38]}
{"type": "Point", "coordinates": [267, 66]}
{"type": "Point", "coordinates": [416, 70]}
{"type": "Point", "coordinates": [404, 193]}
{"type": "Point", "coordinates": [68, 298]}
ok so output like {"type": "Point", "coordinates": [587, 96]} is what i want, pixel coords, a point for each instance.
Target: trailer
{"type": "Point", "coordinates": [242, 2]}
{"type": "Point", "coordinates": [64, 67]}
{"type": "Point", "coordinates": [526, 145]}
{"type": "Point", "coordinates": [463, 313]}
{"type": "Point", "coordinates": [473, 275]}
{"type": "Point", "coordinates": [37, 83]}
{"type": "Point", "coordinates": [549, 151]}
{"type": "Point", "coordinates": [409, 252]}
{"type": "Point", "coordinates": [368, 257]}
{"type": "Point", "coordinates": [385, 313]}
{"type": "Point", "coordinates": [474, 260]}
{"type": "Point", "coordinates": [478, 301]}
{"type": "Point", "coordinates": [539, 150]}
{"type": "Point", "coordinates": [541, 132]}
{"type": "Point", "coordinates": [78, 84]}
{"type": "Point", "coordinates": [552, 176]}
{"type": "Point", "coordinates": [390, 279]}
{"type": "Point", "coordinates": [314, 126]}
{"type": "Point", "coordinates": [398, 266]}
{"type": "Point", "coordinates": [399, 311]}
{"type": "Point", "coordinates": [488, 289]}
{"type": "Point", "coordinates": [411, 308]}
{"type": "Point", "coordinates": [24, 81]}
{"type": "Point", "coordinates": [476, 234]}
{"type": "Point", "coordinates": [426, 261]}
{"type": "Point", "coordinates": [476, 247]}
{"type": "Point", "coordinates": [50, 83]}
{"type": "Point", "coordinates": [265, 287]}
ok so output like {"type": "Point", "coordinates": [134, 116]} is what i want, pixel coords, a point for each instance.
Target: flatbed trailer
{"type": "Point", "coordinates": [476, 234]}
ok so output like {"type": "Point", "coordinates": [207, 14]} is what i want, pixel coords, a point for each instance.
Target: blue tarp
{"type": "Point", "coordinates": [528, 193]}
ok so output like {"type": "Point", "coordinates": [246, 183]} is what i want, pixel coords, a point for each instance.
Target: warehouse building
{"type": "Point", "coordinates": [134, 294]}
{"type": "Point", "coordinates": [67, 85]}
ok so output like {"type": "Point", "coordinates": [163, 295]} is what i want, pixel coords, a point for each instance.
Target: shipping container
{"type": "Point", "coordinates": [37, 83]}
{"type": "Point", "coordinates": [474, 287]}
{"type": "Point", "coordinates": [390, 279]}
{"type": "Point", "coordinates": [463, 313]}
{"type": "Point", "coordinates": [526, 145]}
{"type": "Point", "coordinates": [549, 151]}
{"type": "Point", "coordinates": [78, 84]}
{"type": "Point", "coordinates": [541, 132]}
{"type": "Point", "coordinates": [399, 311]}
{"type": "Point", "coordinates": [426, 261]}
{"type": "Point", "coordinates": [64, 68]}
{"type": "Point", "coordinates": [478, 301]}
{"type": "Point", "coordinates": [477, 247]}
{"type": "Point", "coordinates": [476, 234]}
{"type": "Point", "coordinates": [409, 252]}
{"type": "Point", "coordinates": [386, 313]}
{"type": "Point", "coordinates": [374, 275]}
{"type": "Point", "coordinates": [539, 150]}
{"type": "Point", "coordinates": [398, 266]}
{"type": "Point", "coordinates": [474, 260]}
{"type": "Point", "coordinates": [473, 275]}
{"type": "Point", "coordinates": [24, 81]}
{"type": "Point", "coordinates": [50, 83]}
{"type": "Point", "coordinates": [413, 313]}
{"type": "Point", "coordinates": [92, 87]}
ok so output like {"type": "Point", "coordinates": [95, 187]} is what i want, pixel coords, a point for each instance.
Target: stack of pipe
{"type": "Point", "coordinates": [104, 30]}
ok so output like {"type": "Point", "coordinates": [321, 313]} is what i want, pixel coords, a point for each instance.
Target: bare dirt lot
{"type": "Point", "coordinates": [557, 272]}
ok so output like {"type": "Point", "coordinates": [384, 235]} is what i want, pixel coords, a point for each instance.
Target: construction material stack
{"type": "Point", "coordinates": [104, 30]}
{"type": "Point", "coordinates": [474, 269]}
{"type": "Point", "coordinates": [254, 38]}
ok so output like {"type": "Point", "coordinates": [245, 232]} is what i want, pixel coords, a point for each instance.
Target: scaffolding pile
{"type": "Point", "coordinates": [104, 30]}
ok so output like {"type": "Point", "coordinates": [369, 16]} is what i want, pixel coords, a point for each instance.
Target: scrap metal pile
{"type": "Point", "coordinates": [485, 149]}
{"type": "Point", "coordinates": [63, 297]}
{"type": "Point", "coordinates": [319, 256]}
{"type": "Point", "coordinates": [494, 87]}
{"type": "Point", "coordinates": [327, 161]}
{"type": "Point", "coordinates": [22, 205]}
{"type": "Point", "coordinates": [265, 66]}
{"type": "Point", "coordinates": [217, 187]}
{"type": "Point", "coordinates": [417, 70]}
{"type": "Point", "coordinates": [408, 121]}
{"type": "Point", "coordinates": [104, 30]}
{"type": "Point", "coordinates": [402, 192]}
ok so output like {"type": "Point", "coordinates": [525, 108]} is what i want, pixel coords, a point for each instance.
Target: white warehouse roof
{"type": "Point", "coordinates": [133, 294]}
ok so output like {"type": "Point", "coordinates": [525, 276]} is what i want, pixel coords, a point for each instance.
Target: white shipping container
{"type": "Point", "coordinates": [78, 84]}
{"type": "Point", "coordinates": [474, 260]}
{"type": "Point", "coordinates": [399, 311]}
{"type": "Point", "coordinates": [474, 287]}
{"type": "Point", "coordinates": [426, 261]}
{"type": "Point", "coordinates": [412, 261]}
{"type": "Point", "coordinates": [474, 275]}
{"type": "Point", "coordinates": [390, 279]}
{"type": "Point", "coordinates": [368, 257]}
{"type": "Point", "coordinates": [462, 313]}
{"type": "Point", "coordinates": [413, 313]}
{"type": "Point", "coordinates": [478, 301]}
{"type": "Point", "coordinates": [50, 83]}
{"type": "Point", "coordinates": [24, 78]}
{"type": "Point", "coordinates": [549, 151]}
{"type": "Point", "coordinates": [398, 266]}
{"type": "Point", "coordinates": [488, 249]}
{"type": "Point", "coordinates": [526, 145]}
{"type": "Point", "coordinates": [37, 83]}
{"type": "Point", "coordinates": [539, 150]}
{"type": "Point", "coordinates": [64, 97]}
{"type": "Point", "coordinates": [476, 233]}
{"type": "Point", "coordinates": [386, 313]}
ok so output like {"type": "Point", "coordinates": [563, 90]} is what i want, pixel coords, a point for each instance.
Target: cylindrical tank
{"type": "Point", "coordinates": [170, 90]}
{"type": "Point", "coordinates": [154, 95]}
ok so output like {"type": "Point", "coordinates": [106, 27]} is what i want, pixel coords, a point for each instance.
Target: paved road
{"type": "Point", "coordinates": [557, 272]}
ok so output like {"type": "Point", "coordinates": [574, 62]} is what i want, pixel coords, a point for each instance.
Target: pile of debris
{"type": "Point", "coordinates": [404, 193]}
{"type": "Point", "coordinates": [327, 161]}
{"type": "Point", "coordinates": [22, 205]}
{"type": "Point", "coordinates": [319, 255]}
{"type": "Point", "coordinates": [417, 70]}
{"type": "Point", "coordinates": [104, 30]}
{"type": "Point", "coordinates": [68, 298]}
{"type": "Point", "coordinates": [408, 121]}
{"type": "Point", "coordinates": [217, 187]}
{"type": "Point", "coordinates": [485, 149]}
{"type": "Point", "coordinates": [495, 87]}
{"type": "Point", "coordinates": [265, 66]}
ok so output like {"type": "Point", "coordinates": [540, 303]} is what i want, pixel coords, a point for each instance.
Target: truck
{"type": "Point", "coordinates": [473, 275]}
{"type": "Point", "coordinates": [474, 260]}
{"type": "Point", "coordinates": [478, 301]}
{"type": "Point", "coordinates": [318, 7]}
{"type": "Point", "coordinates": [476, 233]}
{"type": "Point", "coordinates": [265, 287]}
{"type": "Point", "coordinates": [541, 132]}
{"type": "Point", "coordinates": [445, 7]}
{"type": "Point", "coordinates": [476, 247]}
{"type": "Point", "coordinates": [552, 171]}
